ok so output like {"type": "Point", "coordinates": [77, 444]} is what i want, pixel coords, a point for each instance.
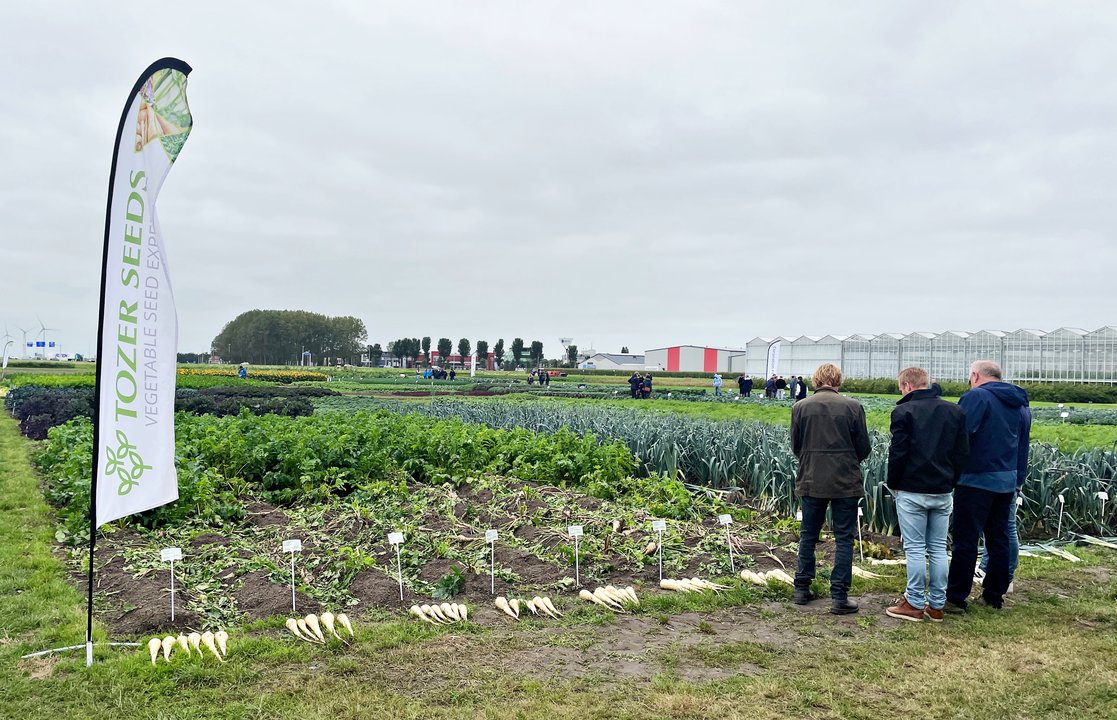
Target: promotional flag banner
{"type": "Point", "coordinates": [138, 341]}
{"type": "Point", "coordinates": [773, 359]}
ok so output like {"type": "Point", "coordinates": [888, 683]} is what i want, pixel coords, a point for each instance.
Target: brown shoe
{"type": "Point", "coordinates": [904, 611]}
{"type": "Point", "coordinates": [934, 615]}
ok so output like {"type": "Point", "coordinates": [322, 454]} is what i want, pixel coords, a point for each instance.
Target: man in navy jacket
{"type": "Point", "coordinates": [999, 424]}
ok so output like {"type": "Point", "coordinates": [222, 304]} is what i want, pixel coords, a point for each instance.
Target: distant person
{"type": "Point", "coordinates": [926, 455]}
{"type": "Point", "coordinates": [744, 384]}
{"type": "Point", "coordinates": [999, 424]}
{"type": "Point", "coordinates": [646, 387]}
{"type": "Point", "coordinates": [770, 387]}
{"type": "Point", "coordinates": [242, 372]}
{"type": "Point", "coordinates": [717, 384]}
{"type": "Point", "coordinates": [802, 389]}
{"type": "Point", "coordinates": [781, 387]}
{"type": "Point", "coordinates": [453, 374]}
{"type": "Point", "coordinates": [634, 384]}
{"type": "Point", "coordinates": [792, 387]}
{"type": "Point", "coordinates": [830, 438]}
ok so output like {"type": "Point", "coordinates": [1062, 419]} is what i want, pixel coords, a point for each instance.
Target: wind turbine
{"type": "Point", "coordinates": [23, 354]}
{"type": "Point", "coordinates": [43, 330]}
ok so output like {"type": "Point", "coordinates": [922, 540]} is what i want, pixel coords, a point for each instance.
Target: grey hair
{"type": "Point", "coordinates": [986, 368]}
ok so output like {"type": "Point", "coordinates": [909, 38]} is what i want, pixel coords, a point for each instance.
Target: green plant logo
{"type": "Point", "coordinates": [125, 463]}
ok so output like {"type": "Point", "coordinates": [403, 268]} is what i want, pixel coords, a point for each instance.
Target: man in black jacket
{"type": "Point", "coordinates": [829, 436]}
{"type": "Point", "coordinates": [928, 451]}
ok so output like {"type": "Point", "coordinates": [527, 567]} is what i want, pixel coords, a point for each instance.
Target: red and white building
{"type": "Point", "coordinates": [691, 358]}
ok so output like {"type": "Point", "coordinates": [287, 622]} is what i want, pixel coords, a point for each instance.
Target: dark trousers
{"type": "Point", "coordinates": [977, 511]}
{"type": "Point", "coordinates": [843, 518]}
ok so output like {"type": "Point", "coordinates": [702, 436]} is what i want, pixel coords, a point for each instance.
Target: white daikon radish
{"type": "Point", "coordinates": [781, 576]}
{"type": "Point", "coordinates": [616, 594]}
{"type": "Point", "coordinates": [327, 619]}
{"type": "Point", "coordinates": [312, 623]}
{"type": "Point", "coordinates": [292, 625]}
{"type": "Point", "coordinates": [154, 645]}
{"type": "Point", "coordinates": [755, 579]}
{"type": "Point", "coordinates": [222, 639]}
{"type": "Point", "coordinates": [418, 612]}
{"type": "Point", "coordinates": [344, 620]}
{"type": "Point", "coordinates": [502, 603]}
{"type": "Point", "coordinates": [183, 643]}
{"type": "Point", "coordinates": [168, 644]}
{"type": "Point", "coordinates": [631, 592]}
{"type": "Point", "coordinates": [858, 572]}
{"type": "Point", "coordinates": [540, 606]}
{"type": "Point", "coordinates": [551, 606]}
{"type": "Point", "coordinates": [515, 605]}
{"type": "Point", "coordinates": [429, 611]}
{"type": "Point", "coordinates": [207, 640]}
{"type": "Point", "coordinates": [463, 611]}
{"type": "Point", "coordinates": [531, 606]}
{"type": "Point", "coordinates": [195, 642]}
{"type": "Point", "coordinates": [450, 611]}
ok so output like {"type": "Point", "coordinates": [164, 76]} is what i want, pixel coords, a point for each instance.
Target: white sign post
{"type": "Point", "coordinates": [659, 526]}
{"type": "Point", "coordinates": [292, 546]}
{"type": "Point", "coordinates": [395, 539]}
{"type": "Point", "coordinates": [1103, 496]}
{"type": "Point", "coordinates": [1062, 507]}
{"type": "Point", "coordinates": [860, 542]}
{"type": "Point", "coordinates": [727, 520]}
{"type": "Point", "coordinates": [170, 555]}
{"type": "Point", "coordinates": [575, 531]}
{"type": "Point", "coordinates": [490, 538]}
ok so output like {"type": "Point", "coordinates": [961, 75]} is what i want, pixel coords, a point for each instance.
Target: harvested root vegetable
{"type": "Point", "coordinates": [183, 643]}
{"type": "Point", "coordinates": [344, 620]}
{"type": "Point", "coordinates": [168, 644]}
{"type": "Point", "coordinates": [754, 578]}
{"type": "Point", "coordinates": [222, 639]}
{"type": "Point", "coordinates": [464, 612]}
{"type": "Point", "coordinates": [515, 605]}
{"type": "Point", "coordinates": [450, 611]}
{"type": "Point", "coordinates": [587, 595]}
{"type": "Point", "coordinates": [502, 604]}
{"type": "Point", "coordinates": [706, 584]}
{"type": "Point", "coordinates": [207, 640]}
{"type": "Point", "coordinates": [551, 606]}
{"type": "Point", "coordinates": [531, 606]}
{"type": "Point", "coordinates": [428, 610]}
{"type": "Point", "coordinates": [781, 576]}
{"type": "Point", "coordinates": [418, 612]}
{"type": "Point", "coordinates": [683, 585]}
{"type": "Point", "coordinates": [631, 593]}
{"type": "Point", "coordinates": [302, 626]}
{"type": "Point", "coordinates": [651, 548]}
{"type": "Point", "coordinates": [858, 572]}
{"type": "Point", "coordinates": [607, 599]}
{"type": "Point", "coordinates": [292, 625]}
{"type": "Point", "coordinates": [312, 623]}
{"type": "Point", "coordinates": [154, 645]}
{"type": "Point", "coordinates": [195, 640]}
{"type": "Point", "coordinates": [327, 619]}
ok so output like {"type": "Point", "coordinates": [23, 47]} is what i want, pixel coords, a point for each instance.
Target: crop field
{"type": "Point", "coordinates": [341, 464]}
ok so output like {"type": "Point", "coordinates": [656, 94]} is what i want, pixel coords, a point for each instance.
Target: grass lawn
{"type": "Point", "coordinates": [740, 655]}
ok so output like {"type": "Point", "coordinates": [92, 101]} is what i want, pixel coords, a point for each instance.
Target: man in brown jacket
{"type": "Point", "coordinates": [830, 438]}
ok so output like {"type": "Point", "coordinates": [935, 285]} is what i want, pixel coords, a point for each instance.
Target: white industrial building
{"type": "Point", "coordinates": [612, 361]}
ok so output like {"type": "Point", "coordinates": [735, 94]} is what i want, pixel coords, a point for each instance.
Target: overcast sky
{"type": "Point", "coordinates": [623, 173]}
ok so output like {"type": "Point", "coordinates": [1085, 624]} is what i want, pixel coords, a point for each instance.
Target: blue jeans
{"type": "Point", "coordinates": [1013, 547]}
{"type": "Point", "coordinates": [843, 518]}
{"type": "Point", "coordinates": [924, 520]}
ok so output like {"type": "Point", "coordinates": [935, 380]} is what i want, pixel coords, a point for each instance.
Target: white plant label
{"type": "Point", "coordinates": [1103, 495]}
{"type": "Point", "coordinates": [659, 525]}
{"type": "Point", "coordinates": [575, 531]}
{"type": "Point", "coordinates": [395, 538]}
{"type": "Point", "coordinates": [799, 515]}
{"type": "Point", "coordinates": [725, 519]}
{"type": "Point", "coordinates": [491, 536]}
{"type": "Point", "coordinates": [170, 554]}
{"type": "Point", "coordinates": [860, 512]}
{"type": "Point", "coordinates": [1062, 500]}
{"type": "Point", "coordinates": [1019, 501]}
{"type": "Point", "coordinates": [292, 546]}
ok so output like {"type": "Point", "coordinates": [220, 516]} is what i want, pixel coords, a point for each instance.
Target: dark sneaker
{"type": "Point", "coordinates": [904, 610]}
{"type": "Point", "coordinates": [933, 614]}
{"type": "Point", "coordinates": [952, 609]}
{"type": "Point", "coordinates": [982, 601]}
{"type": "Point", "coordinates": [843, 607]}
{"type": "Point", "coordinates": [802, 597]}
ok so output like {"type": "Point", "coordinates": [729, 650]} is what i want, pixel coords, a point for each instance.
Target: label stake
{"type": "Point", "coordinates": [727, 520]}
{"type": "Point", "coordinates": [292, 546]}
{"type": "Point", "coordinates": [1062, 506]}
{"type": "Point", "coordinates": [860, 542]}
{"type": "Point", "coordinates": [659, 526]}
{"type": "Point", "coordinates": [395, 539]}
{"type": "Point", "coordinates": [576, 531]}
{"type": "Point", "coordinates": [170, 555]}
{"type": "Point", "coordinates": [490, 538]}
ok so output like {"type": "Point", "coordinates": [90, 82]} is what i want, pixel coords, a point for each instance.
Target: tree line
{"type": "Point", "coordinates": [409, 350]}
{"type": "Point", "coordinates": [280, 337]}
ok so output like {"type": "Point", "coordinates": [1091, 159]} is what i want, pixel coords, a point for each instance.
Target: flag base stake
{"type": "Point", "coordinates": [88, 650]}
